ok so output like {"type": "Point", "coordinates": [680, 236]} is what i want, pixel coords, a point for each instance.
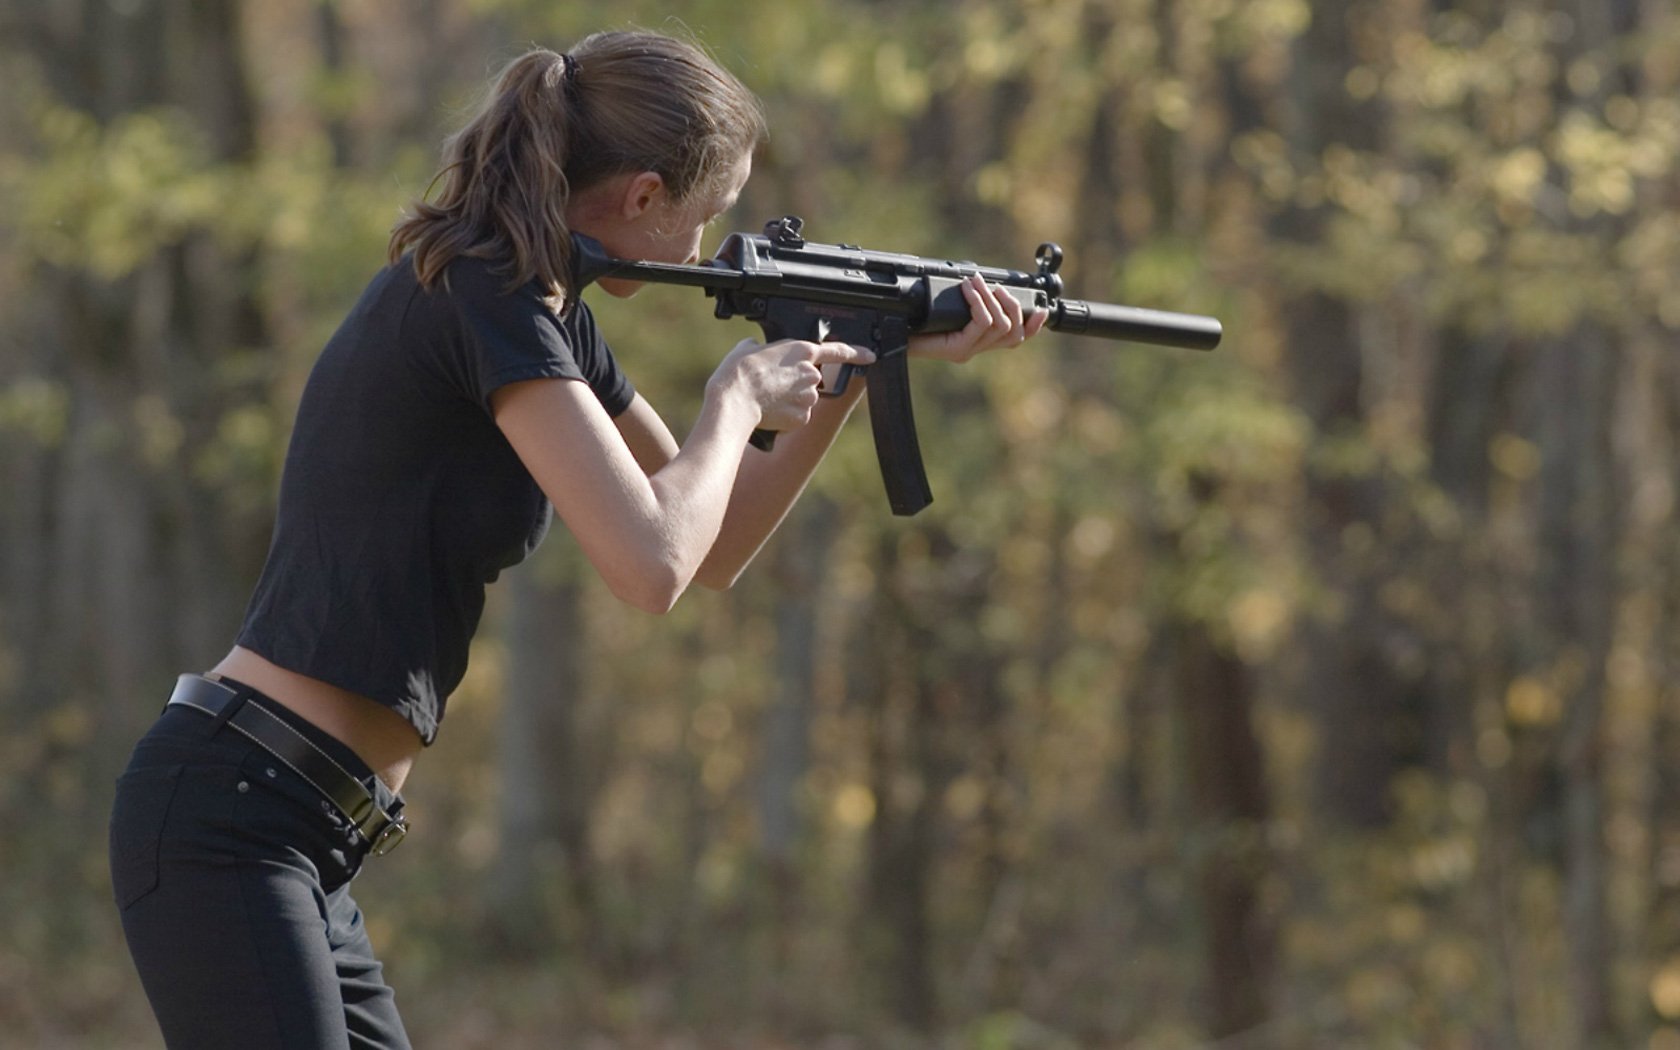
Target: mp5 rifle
{"type": "Point", "coordinates": [796, 289]}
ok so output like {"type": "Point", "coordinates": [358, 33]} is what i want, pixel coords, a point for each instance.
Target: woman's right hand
{"type": "Point", "coordinates": [782, 378]}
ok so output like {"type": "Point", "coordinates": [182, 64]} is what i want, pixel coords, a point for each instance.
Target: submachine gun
{"type": "Point", "coordinates": [796, 289]}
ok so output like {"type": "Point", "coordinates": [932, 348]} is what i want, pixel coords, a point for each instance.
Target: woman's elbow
{"type": "Point", "coordinates": [651, 576]}
{"type": "Point", "coordinates": [656, 588]}
{"type": "Point", "coordinates": [714, 579]}
{"type": "Point", "coordinates": [652, 589]}
{"type": "Point", "coordinates": [648, 597]}
{"type": "Point", "coordinates": [721, 568]}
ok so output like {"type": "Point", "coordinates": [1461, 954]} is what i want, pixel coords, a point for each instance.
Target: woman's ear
{"type": "Point", "coordinates": [641, 192]}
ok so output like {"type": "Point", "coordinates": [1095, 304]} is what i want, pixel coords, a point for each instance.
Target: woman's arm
{"type": "Point", "coordinates": [644, 533]}
{"type": "Point", "coordinates": [651, 515]}
{"type": "Point", "coordinates": [766, 487]}
{"type": "Point", "coordinates": [647, 531]}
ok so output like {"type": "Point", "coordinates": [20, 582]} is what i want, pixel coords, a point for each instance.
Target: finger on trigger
{"type": "Point", "coordinates": [844, 353]}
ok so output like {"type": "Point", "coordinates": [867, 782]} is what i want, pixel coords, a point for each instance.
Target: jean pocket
{"type": "Point", "coordinates": [277, 808]}
{"type": "Point", "coordinates": [137, 820]}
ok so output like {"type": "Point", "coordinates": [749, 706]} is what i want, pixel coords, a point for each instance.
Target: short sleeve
{"type": "Point", "coordinates": [510, 336]}
{"type": "Point", "coordinates": [595, 359]}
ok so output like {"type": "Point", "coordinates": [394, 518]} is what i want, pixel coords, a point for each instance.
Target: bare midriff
{"type": "Point", "coordinates": [379, 736]}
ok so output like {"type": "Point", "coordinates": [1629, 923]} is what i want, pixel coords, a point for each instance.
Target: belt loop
{"type": "Point", "coordinates": [231, 708]}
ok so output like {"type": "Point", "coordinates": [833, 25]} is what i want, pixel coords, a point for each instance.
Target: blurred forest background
{"type": "Point", "coordinates": [1316, 692]}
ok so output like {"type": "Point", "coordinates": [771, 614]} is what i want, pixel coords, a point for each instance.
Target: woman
{"type": "Point", "coordinates": [467, 397]}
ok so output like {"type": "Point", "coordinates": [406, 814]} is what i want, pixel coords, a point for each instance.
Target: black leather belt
{"type": "Point", "coordinates": [383, 830]}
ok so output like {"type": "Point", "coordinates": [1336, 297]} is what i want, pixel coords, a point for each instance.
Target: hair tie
{"type": "Point", "coordinates": [568, 68]}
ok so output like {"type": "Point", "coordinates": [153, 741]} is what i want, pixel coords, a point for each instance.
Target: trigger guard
{"type": "Point", "coordinates": [841, 381]}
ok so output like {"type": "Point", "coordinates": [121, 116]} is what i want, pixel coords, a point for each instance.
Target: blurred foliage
{"type": "Point", "coordinates": [1475, 190]}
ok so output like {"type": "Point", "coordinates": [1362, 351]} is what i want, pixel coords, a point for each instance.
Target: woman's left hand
{"type": "Point", "coordinates": [995, 321]}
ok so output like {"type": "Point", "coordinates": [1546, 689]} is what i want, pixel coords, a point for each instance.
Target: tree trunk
{"type": "Point", "coordinates": [888, 682]}
{"type": "Point", "coordinates": [1215, 694]}
{"type": "Point", "coordinates": [1575, 411]}
{"type": "Point", "coordinates": [802, 554]}
{"type": "Point", "coordinates": [1367, 725]}
{"type": "Point", "coordinates": [1575, 590]}
{"type": "Point", "coordinates": [544, 812]}
{"type": "Point", "coordinates": [925, 662]}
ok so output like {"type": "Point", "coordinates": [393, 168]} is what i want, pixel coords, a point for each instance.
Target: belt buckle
{"type": "Point", "coordinates": [389, 837]}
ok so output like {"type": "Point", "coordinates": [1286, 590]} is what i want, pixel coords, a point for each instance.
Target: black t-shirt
{"type": "Point", "coordinates": [400, 497]}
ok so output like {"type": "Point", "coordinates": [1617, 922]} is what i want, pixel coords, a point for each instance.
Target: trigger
{"type": "Point", "coordinates": [841, 381]}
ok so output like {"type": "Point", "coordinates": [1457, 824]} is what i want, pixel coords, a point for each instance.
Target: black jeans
{"type": "Point", "coordinates": [233, 878]}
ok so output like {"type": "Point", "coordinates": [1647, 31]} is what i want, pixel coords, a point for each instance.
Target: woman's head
{"type": "Point", "coordinates": [619, 104]}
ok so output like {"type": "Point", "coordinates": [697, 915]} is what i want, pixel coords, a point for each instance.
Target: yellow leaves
{"type": "Point", "coordinates": [842, 69]}
{"type": "Point", "coordinates": [1399, 931]}
{"type": "Point", "coordinates": [1362, 82]}
{"type": "Point", "coordinates": [1223, 457]}
{"type": "Point", "coordinates": [1550, 279]}
{"type": "Point", "coordinates": [994, 183]}
{"type": "Point", "coordinates": [1373, 991]}
{"type": "Point", "coordinates": [853, 806]}
{"type": "Point", "coordinates": [1031, 412]}
{"type": "Point", "coordinates": [1500, 165]}
{"type": "Point", "coordinates": [1260, 620]}
{"type": "Point", "coordinates": [105, 198]}
{"type": "Point", "coordinates": [1438, 75]}
{"type": "Point", "coordinates": [831, 73]}
{"type": "Point", "coordinates": [36, 407]}
{"type": "Point", "coordinates": [67, 726]}
{"type": "Point", "coordinates": [712, 721]}
{"type": "Point", "coordinates": [1650, 257]}
{"type": "Point", "coordinates": [1255, 23]}
{"type": "Point", "coordinates": [1229, 435]}
{"type": "Point", "coordinates": [1531, 702]}
{"type": "Point", "coordinates": [720, 771]}
{"type": "Point", "coordinates": [1607, 154]}
{"type": "Point", "coordinates": [159, 433]}
{"type": "Point", "coordinates": [1287, 18]}
{"type": "Point", "coordinates": [1090, 540]}
{"type": "Point", "coordinates": [966, 797]}
{"type": "Point", "coordinates": [1514, 456]}
{"type": "Point", "coordinates": [1174, 105]}
{"type": "Point", "coordinates": [1538, 699]}
{"type": "Point", "coordinates": [1265, 155]}
{"type": "Point", "coordinates": [244, 450]}
{"type": "Point", "coordinates": [988, 56]}
{"type": "Point", "coordinates": [1665, 989]}
{"type": "Point", "coordinates": [1517, 176]}
{"type": "Point", "coordinates": [1596, 158]}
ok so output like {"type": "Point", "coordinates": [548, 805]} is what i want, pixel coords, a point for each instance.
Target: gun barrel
{"type": "Point", "coordinates": [1135, 324]}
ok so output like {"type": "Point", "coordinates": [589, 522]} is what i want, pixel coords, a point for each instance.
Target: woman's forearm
{"type": "Point", "coordinates": [766, 487]}
{"type": "Point", "coordinates": [647, 534]}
